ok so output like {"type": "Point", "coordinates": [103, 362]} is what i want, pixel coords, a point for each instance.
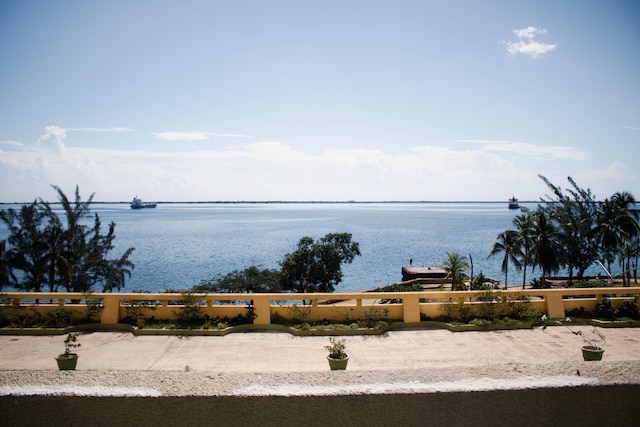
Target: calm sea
{"type": "Point", "coordinates": [178, 245]}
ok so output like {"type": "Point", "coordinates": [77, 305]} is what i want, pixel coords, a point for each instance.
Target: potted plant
{"type": "Point", "coordinates": [337, 357]}
{"type": "Point", "coordinates": [67, 361]}
{"type": "Point", "coordinates": [591, 350]}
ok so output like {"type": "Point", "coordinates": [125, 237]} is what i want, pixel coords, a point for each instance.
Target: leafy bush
{"type": "Point", "coordinates": [94, 308]}
{"type": "Point", "coordinates": [456, 311]}
{"type": "Point", "coordinates": [134, 310]}
{"type": "Point", "coordinates": [189, 313]}
{"type": "Point", "coordinates": [491, 302]}
{"type": "Point", "coordinates": [25, 320]}
{"type": "Point", "coordinates": [630, 309]}
{"type": "Point", "coordinates": [300, 315]}
{"type": "Point", "coordinates": [605, 310]}
{"type": "Point", "coordinates": [58, 318]}
{"type": "Point", "coordinates": [588, 284]}
{"type": "Point", "coordinates": [376, 317]}
{"type": "Point", "coordinates": [522, 309]}
{"type": "Point", "coordinates": [578, 312]}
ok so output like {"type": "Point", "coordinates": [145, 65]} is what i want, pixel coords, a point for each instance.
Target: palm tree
{"type": "Point", "coordinates": [615, 225]}
{"type": "Point", "coordinates": [545, 249]}
{"type": "Point", "coordinates": [508, 243]}
{"type": "Point", "coordinates": [628, 251]}
{"type": "Point", "coordinates": [455, 265]}
{"type": "Point", "coordinates": [524, 228]}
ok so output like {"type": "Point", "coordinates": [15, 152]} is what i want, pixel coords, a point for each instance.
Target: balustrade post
{"type": "Point", "coordinates": [411, 308]}
{"type": "Point", "coordinates": [262, 311]}
{"type": "Point", "coordinates": [110, 309]}
{"type": "Point", "coordinates": [555, 305]}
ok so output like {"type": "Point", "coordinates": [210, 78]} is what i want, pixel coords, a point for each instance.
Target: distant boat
{"type": "Point", "coordinates": [137, 204]}
{"type": "Point", "coordinates": [513, 203]}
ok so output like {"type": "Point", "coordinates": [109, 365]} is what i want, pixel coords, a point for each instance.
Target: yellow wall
{"type": "Point", "coordinates": [338, 307]}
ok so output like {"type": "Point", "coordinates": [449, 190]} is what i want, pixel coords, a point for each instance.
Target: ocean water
{"type": "Point", "coordinates": [178, 245]}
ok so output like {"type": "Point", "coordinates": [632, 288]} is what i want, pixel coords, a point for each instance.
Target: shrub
{"type": "Point", "coordinates": [522, 309]}
{"type": "Point", "coordinates": [376, 317]}
{"type": "Point", "coordinates": [456, 310]}
{"type": "Point", "coordinates": [588, 284]}
{"type": "Point", "coordinates": [630, 309]}
{"type": "Point", "coordinates": [25, 320]}
{"type": "Point", "coordinates": [578, 312]}
{"type": "Point", "coordinates": [300, 315]}
{"type": "Point", "coordinates": [94, 308]}
{"type": "Point", "coordinates": [58, 318]}
{"type": "Point", "coordinates": [134, 310]}
{"type": "Point", "coordinates": [190, 311]}
{"type": "Point", "coordinates": [491, 300]}
{"type": "Point", "coordinates": [605, 310]}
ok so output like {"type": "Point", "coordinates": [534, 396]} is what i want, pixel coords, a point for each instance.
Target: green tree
{"type": "Point", "coordinates": [455, 266]}
{"type": "Point", "coordinates": [524, 228]}
{"type": "Point", "coordinates": [573, 215]}
{"type": "Point", "coordinates": [73, 255]}
{"type": "Point", "coordinates": [508, 243]}
{"type": "Point", "coordinates": [57, 258]}
{"type": "Point", "coordinates": [628, 252]}
{"type": "Point", "coordinates": [7, 262]}
{"type": "Point", "coordinates": [616, 225]}
{"type": "Point", "coordinates": [26, 241]}
{"type": "Point", "coordinates": [249, 280]}
{"type": "Point", "coordinates": [93, 266]}
{"type": "Point", "coordinates": [546, 244]}
{"type": "Point", "coordinates": [316, 266]}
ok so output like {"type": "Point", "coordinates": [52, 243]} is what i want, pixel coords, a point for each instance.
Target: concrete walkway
{"type": "Point", "coordinates": [281, 352]}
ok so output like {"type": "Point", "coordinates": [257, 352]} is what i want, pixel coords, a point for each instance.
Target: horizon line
{"type": "Point", "coordinates": [291, 201]}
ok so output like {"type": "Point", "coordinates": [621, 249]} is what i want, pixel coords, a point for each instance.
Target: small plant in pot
{"type": "Point", "coordinates": [338, 358]}
{"type": "Point", "coordinates": [67, 361]}
{"type": "Point", "coordinates": [591, 350]}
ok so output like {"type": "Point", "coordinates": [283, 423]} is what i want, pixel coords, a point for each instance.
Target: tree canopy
{"type": "Point", "coordinates": [249, 280]}
{"type": "Point", "coordinates": [316, 266]}
{"type": "Point", "coordinates": [570, 229]}
{"type": "Point", "coordinates": [68, 253]}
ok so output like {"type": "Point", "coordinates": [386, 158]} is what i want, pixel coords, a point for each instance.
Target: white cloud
{"type": "Point", "coordinates": [52, 138]}
{"type": "Point", "coordinates": [274, 170]}
{"type": "Point", "coordinates": [195, 135]}
{"type": "Point", "coordinates": [532, 151]}
{"type": "Point", "coordinates": [12, 143]}
{"type": "Point", "coordinates": [230, 135]}
{"type": "Point", "coordinates": [107, 129]}
{"type": "Point", "coordinates": [604, 182]}
{"type": "Point", "coordinates": [183, 136]}
{"type": "Point", "coordinates": [527, 45]}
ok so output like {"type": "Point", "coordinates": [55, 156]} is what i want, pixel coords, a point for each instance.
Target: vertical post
{"type": "Point", "coordinates": [411, 308]}
{"type": "Point", "coordinates": [262, 310]}
{"type": "Point", "coordinates": [555, 306]}
{"type": "Point", "coordinates": [110, 309]}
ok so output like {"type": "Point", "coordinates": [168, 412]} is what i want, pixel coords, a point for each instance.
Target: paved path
{"type": "Point", "coordinates": [281, 352]}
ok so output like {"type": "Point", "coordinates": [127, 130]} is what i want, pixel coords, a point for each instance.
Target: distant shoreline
{"type": "Point", "coordinates": [291, 202]}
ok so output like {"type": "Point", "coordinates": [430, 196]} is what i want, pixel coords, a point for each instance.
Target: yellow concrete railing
{"type": "Point", "coordinates": [407, 306]}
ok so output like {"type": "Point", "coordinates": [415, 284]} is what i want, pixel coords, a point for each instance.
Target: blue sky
{"type": "Point", "coordinates": [318, 100]}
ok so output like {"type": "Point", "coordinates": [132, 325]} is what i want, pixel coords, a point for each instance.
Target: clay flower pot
{"type": "Point", "coordinates": [67, 362]}
{"type": "Point", "coordinates": [590, 353]}
{"type": "Point", "coordinates": [338, 364]}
